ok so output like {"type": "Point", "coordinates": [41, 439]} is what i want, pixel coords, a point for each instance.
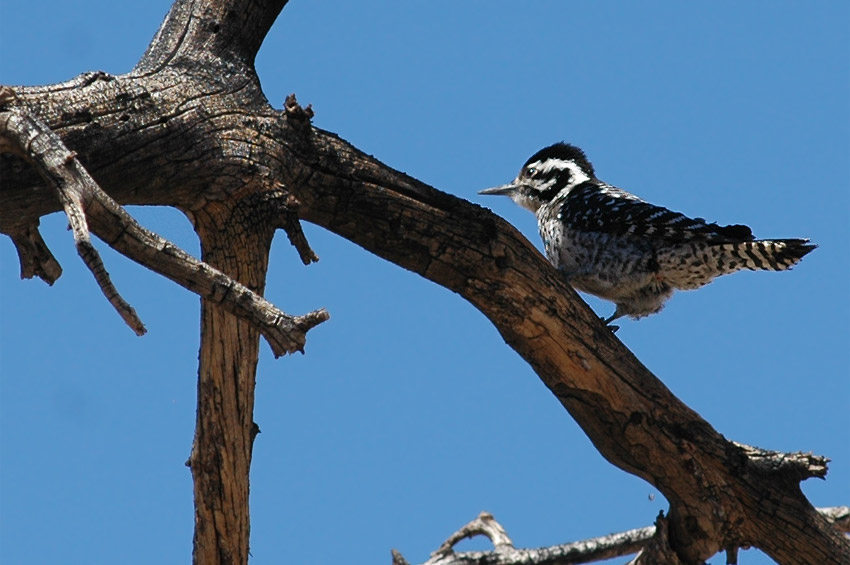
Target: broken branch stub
{"type": "Point", "coordinates": [34, 255]}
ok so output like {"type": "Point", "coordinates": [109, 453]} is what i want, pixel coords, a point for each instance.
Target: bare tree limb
{"type": "Point", "coordinates": [61, 169]}
{"type": "Point", "coordinates": [504, 553]}
{"type": "Point", "coordinates": [722, 494]}
{"type": "Point", "coordinates": [82, 198]}
{"type": "Point", "coordinates": [651, 542]}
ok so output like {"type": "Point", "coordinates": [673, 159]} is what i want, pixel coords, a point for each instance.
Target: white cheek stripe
{"type": "Point", "coordinates": [577, 177]}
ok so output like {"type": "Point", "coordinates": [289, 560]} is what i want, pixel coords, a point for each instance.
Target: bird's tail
{"type": "Point", "coordinates": [697, 264]}
{"type": "Point", "coordinates": [766, 254]}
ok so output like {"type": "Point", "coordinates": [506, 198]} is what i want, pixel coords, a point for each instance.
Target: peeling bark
{"type": "Point", "coordinates": [192, 111]}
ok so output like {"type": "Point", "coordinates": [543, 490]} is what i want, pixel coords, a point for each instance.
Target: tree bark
{"type": "Point", "coordinates": [235, 238]}
{"type": "Point", "coordinates": [192, 111]}
{"type": "Point", "coordinates": [584, 551]}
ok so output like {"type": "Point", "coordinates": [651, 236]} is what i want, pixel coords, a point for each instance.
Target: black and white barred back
{"type": "Point", "coordinates": [614, 245]}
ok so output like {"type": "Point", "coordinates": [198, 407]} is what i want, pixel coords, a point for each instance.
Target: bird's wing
{"type": "Point", "coordinates": [598, 207]}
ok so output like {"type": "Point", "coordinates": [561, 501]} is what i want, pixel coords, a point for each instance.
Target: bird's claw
{"type": "Point", "coordinates": [606, 322]}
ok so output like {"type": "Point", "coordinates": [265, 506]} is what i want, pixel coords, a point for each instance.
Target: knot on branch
{"type": "Point", "coordinates": [295, 113]}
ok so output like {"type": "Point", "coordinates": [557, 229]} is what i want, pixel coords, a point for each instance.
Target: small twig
{"type": "Point", "coordinates": [71, 196]}
{"type": "Point", "coordinates": [291, 224]}
{"type": "Point", "coordinates": [88, 205]}
{"type": "Point", "coordinates": [282, 209]}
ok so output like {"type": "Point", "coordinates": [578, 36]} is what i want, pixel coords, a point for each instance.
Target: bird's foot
{"type": "Point", "coordinates": [609, 326]}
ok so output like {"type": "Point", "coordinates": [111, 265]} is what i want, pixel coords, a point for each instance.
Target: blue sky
{"type": "Point", "coordinates": [408, 415]}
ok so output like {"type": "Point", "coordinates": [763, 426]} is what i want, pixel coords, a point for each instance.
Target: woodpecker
{"type": "Point", "coordinates": [614, 245]}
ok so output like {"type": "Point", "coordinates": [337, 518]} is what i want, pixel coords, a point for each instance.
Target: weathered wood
{"type": "Point", "coordinates": [189, 127]}
{"type": "Point", "coordinates": [722, 493]}
{"type": "Point", "coordinates": [645, 540]}
{"type": "Point", "coordinates": [235, 237]}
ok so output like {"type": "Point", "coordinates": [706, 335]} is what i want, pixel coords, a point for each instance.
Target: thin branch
{"type": "Point", "coordinates": [292, 227]}
{"type": "Point", "coordinates": [504, 553]}
{"type": "Point", "coordinates": [84, 200]}
{"type": "Point", "coordinates": [651, 542]}
{"type": "Point", "coordinates": [71, 195]}
{"type": "Point", "coordinates": [285, 207]}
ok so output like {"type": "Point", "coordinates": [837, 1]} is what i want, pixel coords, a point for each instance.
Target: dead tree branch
{"type": "Point", "coordinates": [82, 198]}
{"type": "Point", "coordinates": [631, 417]}
{"type": "Point", "coordinates": [585, 551]}
{"type": "Point", "coordinates": [60, 168]}
{"type": "Point", "coordinates": [193, 111]}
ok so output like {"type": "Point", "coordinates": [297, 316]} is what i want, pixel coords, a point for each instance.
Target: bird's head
{"type": "Point", "coordinates": [545, 174]}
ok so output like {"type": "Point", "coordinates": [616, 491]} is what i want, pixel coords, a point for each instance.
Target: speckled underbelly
{"type": "Point", "coordinates": [604, 265]}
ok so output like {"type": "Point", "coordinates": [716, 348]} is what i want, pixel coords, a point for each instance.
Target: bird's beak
{"type": "Point", "coordinates": [505, 189]}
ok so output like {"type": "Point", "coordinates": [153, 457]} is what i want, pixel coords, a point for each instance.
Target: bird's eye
{"type": "Point", "coordinates": [530, 172]}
